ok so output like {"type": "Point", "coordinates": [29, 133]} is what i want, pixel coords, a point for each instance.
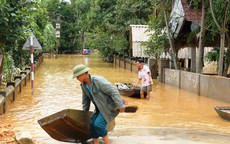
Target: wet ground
{"type": "Point", "coordinates": [171, 116]}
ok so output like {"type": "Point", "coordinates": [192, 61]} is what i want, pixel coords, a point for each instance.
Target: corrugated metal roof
{"type": "Point", "coordinates": [177, 18]}
{"type": "Point", "coordinates": [139, 33]}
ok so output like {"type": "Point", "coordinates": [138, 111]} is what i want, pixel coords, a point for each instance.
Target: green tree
{"type": "Point", "coordinates": [220, 15]}
{"type": "Point", "coordinates": [162, 38]}
{"type": "Point", "coordinates": [70, 22]}
{"type": "Point", "coordinates": [49, 38]}
{"type": "Point", "coordinates": [216, 27]}
{"type": "Point", "coordinates": [18, 18]}
{"type": "Point", "coordinates": [113, 18]}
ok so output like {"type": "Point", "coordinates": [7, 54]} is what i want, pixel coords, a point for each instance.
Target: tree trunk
{"type": "Point", "coordinates": [226, 67]}
{"type": "Point", "coordinates": [227, 57]}
{"type": "Point", "coordinates": [200, 62]}
{"type": "Point", "coordinates": [171, 41]}
{"type": "Point", "coordinates": [222, 34]}
{"type": "Point", "coordinates": [221, 58]}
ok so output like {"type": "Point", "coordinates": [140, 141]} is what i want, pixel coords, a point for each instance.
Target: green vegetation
{"type": "Point", "coordinates": [102, 25]}
{"type": "Point", "coordinates": [18, 18]}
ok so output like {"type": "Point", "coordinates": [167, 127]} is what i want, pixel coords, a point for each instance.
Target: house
{"type": "Point", "coordinates": [185, 18]}
{"type": "Point", "coordinates": [139, 34]}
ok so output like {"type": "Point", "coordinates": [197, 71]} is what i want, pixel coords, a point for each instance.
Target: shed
{"type": "Point", "coordinates": [139, 34]}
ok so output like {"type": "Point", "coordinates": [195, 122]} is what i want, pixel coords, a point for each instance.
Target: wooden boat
{"type": "Point", "coordinates": [223, 112]}
{"type": "Point", "coordinates": [130, 91]}
{"type": "Point", "coordinates": [70, 125]}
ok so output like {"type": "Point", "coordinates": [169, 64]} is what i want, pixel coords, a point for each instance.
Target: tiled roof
{"type": "Point", "coordinates": [191, 14]}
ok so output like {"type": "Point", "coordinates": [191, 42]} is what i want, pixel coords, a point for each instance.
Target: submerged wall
{"type": "Point", "coordinates": [212, 86]}
{"type": "Point", "coordinates": [14, 88]}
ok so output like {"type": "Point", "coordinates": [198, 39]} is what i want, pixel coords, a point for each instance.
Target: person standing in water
{"type": "Point", "coordinates": [144, 75]}
{"type": "Point", "coordinates": [104, 96]}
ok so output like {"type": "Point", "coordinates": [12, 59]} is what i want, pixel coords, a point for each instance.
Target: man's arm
{"type": "Point", "coordinates": [85, 102]}
{"type": "Point", "coordinates": [137, 83]}
{"type": "Point", "coordinates": [150, 76]}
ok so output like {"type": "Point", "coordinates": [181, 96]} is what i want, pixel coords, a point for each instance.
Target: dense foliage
{"type": "Point", "coordinates": [107, 24]}
{"type": "Point", "coordinates": [18, 18]}
{"type": "Point", "coordinates": [102, 25]}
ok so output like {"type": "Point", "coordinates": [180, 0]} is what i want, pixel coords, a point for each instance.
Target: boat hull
{"type": "Point", "coordinates": [223, 112]}
{"type": "Point", "coordinates": [70, 125]}
{"type": "Point", "coordinates": [131, 92]}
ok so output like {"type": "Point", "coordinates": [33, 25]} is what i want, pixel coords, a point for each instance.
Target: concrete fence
{"type": "Point", "coordinates": [125, 63]}
{"type": "Point", "coordinates": [205, 85]}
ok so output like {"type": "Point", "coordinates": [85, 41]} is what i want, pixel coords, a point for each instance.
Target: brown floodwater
{"type": "Point", "coordinates": [171, 116]}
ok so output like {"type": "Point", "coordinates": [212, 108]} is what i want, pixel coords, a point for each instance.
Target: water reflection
{"type": "Point", "coordinates": [169, 111]}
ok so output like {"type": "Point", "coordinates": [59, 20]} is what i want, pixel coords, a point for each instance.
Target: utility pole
{"type": "Point", "coordinates": [58, 26]}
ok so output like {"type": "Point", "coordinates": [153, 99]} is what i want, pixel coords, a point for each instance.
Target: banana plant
{"type": "Point", "coordinates": [9, 69]}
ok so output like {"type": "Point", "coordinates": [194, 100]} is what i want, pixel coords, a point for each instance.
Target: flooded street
{"type": "Point", "coordinates": [171, 116]}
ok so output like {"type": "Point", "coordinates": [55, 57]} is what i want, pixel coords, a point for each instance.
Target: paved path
{"type": "Point", "coordinates": [165, 136]}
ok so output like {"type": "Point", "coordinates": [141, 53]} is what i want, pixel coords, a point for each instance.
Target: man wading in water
{"type": "Point", "coordinates": [144, 75]}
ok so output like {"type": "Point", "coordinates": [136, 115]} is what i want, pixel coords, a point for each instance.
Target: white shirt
{"type": "Point", "coordinates": [144, 76]}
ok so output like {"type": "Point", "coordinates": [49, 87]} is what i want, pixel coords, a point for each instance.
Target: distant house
{"type": "Point", "coordinates": [184, 19]}
{"type": "Point", "coordinates": [139, 34]}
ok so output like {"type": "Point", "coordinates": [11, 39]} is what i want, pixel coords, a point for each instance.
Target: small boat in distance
{"type": "Point", "coordinates": [127, 89]}
{"type": "Point", "coordinates": [86, 51]}
{"type": "Point", "coordinates": [223, 112]}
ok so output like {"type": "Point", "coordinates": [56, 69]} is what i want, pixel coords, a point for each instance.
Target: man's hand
{"type": "Point", "coordinates": [150, 81]}
{"type": "Point", "coordinates": [122, 110]}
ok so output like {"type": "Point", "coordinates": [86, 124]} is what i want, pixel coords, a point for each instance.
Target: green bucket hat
{"type": "Point", "coordinates": [80, 69]}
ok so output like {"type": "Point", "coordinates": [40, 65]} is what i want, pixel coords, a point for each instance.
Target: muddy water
{"type": "Point", "coordinates": [171, 116]}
